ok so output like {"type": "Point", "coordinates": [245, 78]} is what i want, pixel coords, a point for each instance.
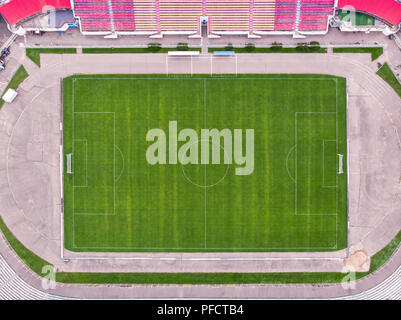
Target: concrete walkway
{"type": "Point", "coordinates": [371, 286]}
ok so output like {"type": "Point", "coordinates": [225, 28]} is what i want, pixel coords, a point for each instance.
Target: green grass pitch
{"type": "Point", "coordinates": [294, 200]}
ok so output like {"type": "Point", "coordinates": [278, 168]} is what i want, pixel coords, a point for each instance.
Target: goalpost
{"type": "Point", "coordinates": [69, 163]}
{"type": "Point", "coordinates": [181, 55]}
{"type": "Point", "coordinates": [224, 56]}
{"type": "Point", "coordinates": [192, 62]}
{"type": "Point", "coordinates": [340, 164]}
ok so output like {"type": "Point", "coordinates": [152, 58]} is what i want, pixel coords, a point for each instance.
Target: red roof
{"type": "Point", "coordinates": [388, 10]}
{"type": "Point", "coordinates": [17, 10]}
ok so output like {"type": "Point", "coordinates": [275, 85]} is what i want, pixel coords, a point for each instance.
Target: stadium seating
{"type": "Point", "coordinates": [178, 15]}
{"type": "Point", "coordinates": [228, 15]}
{"type": "Point", "coordinates": [313, 14]}
{"type": "Point", "coordinates": [145, 16]}
{"type": "Point", "coordinates": [285, 15]}
{"type": "Point", "coordinates": [123, 15]}
{"type": "Point", "coordinates": [94, 14]}
{"type": "Point", "coordinates": [156, 16]}
{"type": "Point", "coordinates": [12, 287]}
{"type": "Point", "coordinates": [389, 289]}
{"type": "Point", "coordinates": [263, 15]}
{"type": "Point", "coordinates": [386, 10]}
{"type": "Point", "coordinates": [16, 11]}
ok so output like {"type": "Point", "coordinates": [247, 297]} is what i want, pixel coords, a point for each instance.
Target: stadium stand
{"type": "Point", "coordinates": [123, 15]}
{"type": "Point", "coordinates": [16, 11]}
{"type": "Point", "coordinates": [388, 11]}
{"type": "Point", "coordinates": [285, 15]}
{"type": "Point", "coordinates": [313, 14]}
{"type": "Point", "coordinates": [263, 15]}
{"type": "Point", "coordinates": [389, 289]}
{"type": "Point", "coordinates": [227, 15]}
{"type": "Point", "coordinates": [146, 17]}
{"type": "Point", "coordinates": [224, 16]}
{"type": "Point", "coordinates": [12, 287]}
{"type": "Point", "coordinates": [177, 15]}
{"type": "Point", "coordinates": [156, 17]}
{"type": "Point", "coordinates": [94, 15]}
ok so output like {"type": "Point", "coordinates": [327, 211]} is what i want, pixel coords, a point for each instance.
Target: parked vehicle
{"type": "Point", "coordinates": [4, 53]}
{"type": "Point", "coordinates": [2, 65]}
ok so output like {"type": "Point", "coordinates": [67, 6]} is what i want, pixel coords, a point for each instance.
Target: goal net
{"type": "Point", "coordinates": [340, 164]}
{"type": "Point", "coordinates": [69, 163]}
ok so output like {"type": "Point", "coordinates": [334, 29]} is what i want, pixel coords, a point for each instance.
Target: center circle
{"type": "Point", "coordinates": [205, 185]}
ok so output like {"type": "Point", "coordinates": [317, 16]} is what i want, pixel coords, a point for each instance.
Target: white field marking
{"type": "Point", "coordinates": [235, 57]}
{"type": "Point", "coordinates": [205, 180]}
{"type": "Point", "coordinates": [323, 183]}
{"type": "Point", "coordinates": [213, 78]}
{"type": "Point", "coordinates": [286, 162]}
{"type": "Point", "coordinates": [86, 165]}
{"type": "Point", "coordinates": [182, 77]}
{"type": "Point", "coordinates": [336, 80]}
{"type": "Point", "coordinates": [296, 174]}
{"type": "Point", "coordinates": [258, 250]}
{"type": "Point", "coordinates": [296, 169]}
{"type": "Point", "coordinates": [192, 59]}
{"type": "Point", "coordinates": [205, 177]}
{"type": "Point", "coordinates": [114, 171]}
{"type": "Point", "coordinates": [211, 259]}
{"type": "Point", "coordinates": [177, 58]}
{"type": "Point", "coordinates": [114, 166]}
{"type": "Point", "coordinates": [122, 170]}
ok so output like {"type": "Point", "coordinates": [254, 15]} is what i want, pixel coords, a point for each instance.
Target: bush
{"type": "Point", "coordinates": [314, 45]}
{"type": "Point", "coordinates": [182, 46]}
{"type": "Point", "coordinates": [154, 47]}
{"type": "Point", "coordinates": [276, 46]}
{"type": "Point", "coordinates": [302, 47]}
{"type": "Point", "coordinates": [229, 47]}
{"type": "Point", "coordinates": [250, 47]}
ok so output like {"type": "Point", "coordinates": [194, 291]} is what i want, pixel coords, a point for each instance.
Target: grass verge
{"type": "Point", "coordinates": [374, 51]}
{"type": "Point", "coordinates": [134, 50]}
{"type": "Point", "coordinates": [16, 80]}
{"type": "Point", "coordinates": [34, 53]}
{"type": "Point", "coordinates": [270, 50]}
{"type": "Point", "coordinates": [36, 264]}
{"type": "Point", "coordinates": [31, 260]}
{"type": "Point", "coordinates": [388, 76]}
{"type": "Point", "coordinates": [381, 257]}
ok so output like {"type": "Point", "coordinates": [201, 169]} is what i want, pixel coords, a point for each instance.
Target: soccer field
{"type": "Point", "coordinates": [150, 174]}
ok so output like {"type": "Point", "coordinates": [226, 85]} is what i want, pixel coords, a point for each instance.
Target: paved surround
{"type": "Point", "coordinates": [29, 140]}
{"type": "Point", "coordinates": [261, 291]}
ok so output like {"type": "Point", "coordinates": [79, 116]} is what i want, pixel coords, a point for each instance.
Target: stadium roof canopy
{"type": "Point", "coordinates": [15, 11]}
{"type": "Point", "coordinates": [387, 10]}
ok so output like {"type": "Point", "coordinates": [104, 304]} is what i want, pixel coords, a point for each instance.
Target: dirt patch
{"type": "Point", "coordinates": [357, 261]}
